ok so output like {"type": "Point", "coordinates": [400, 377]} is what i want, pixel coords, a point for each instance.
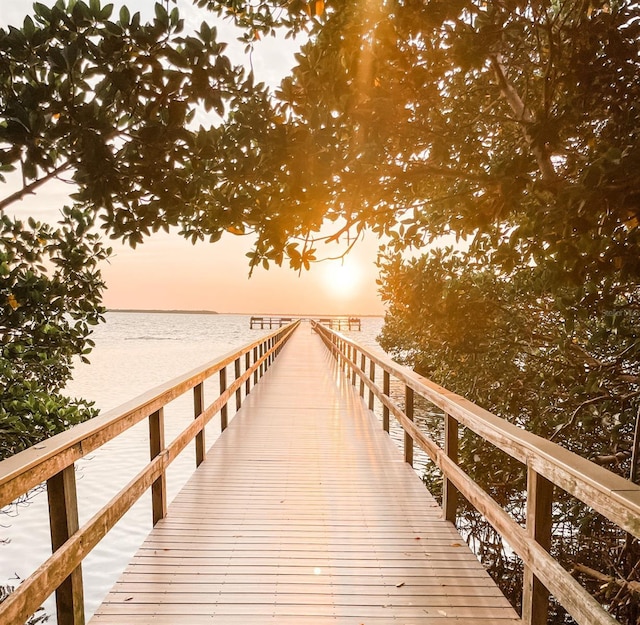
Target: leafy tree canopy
{"type": "Point", "coordinates": [111, 104]}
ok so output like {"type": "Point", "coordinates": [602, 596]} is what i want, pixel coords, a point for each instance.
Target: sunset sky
{"type": "Point", "coordinates": [168, 272]}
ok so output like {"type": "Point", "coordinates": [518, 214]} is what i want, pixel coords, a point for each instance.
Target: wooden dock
{"type": "Point", "coordinates": [335, 323]}
{"type": "Point", "coordinates": [342, 323]}
{"type": "Point", "coordinates": [268, 322]}
{"type": "Point", "coordinates": [304, 512]}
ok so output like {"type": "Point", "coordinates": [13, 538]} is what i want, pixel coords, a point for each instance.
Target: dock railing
{"type": "Point", "coordinates": [53, 462]}
{"type": "Point", "coordinates": [548, 466]}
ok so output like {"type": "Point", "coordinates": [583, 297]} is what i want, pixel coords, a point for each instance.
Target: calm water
{"type": "Point", "coordinates": [134, 352]}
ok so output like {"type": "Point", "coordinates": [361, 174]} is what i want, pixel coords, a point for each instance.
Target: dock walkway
{"type": "Point", "coordinates": [304, 513]}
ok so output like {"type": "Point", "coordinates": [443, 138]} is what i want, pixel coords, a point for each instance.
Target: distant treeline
{"type": "Point", "coordinates": [172, 312]}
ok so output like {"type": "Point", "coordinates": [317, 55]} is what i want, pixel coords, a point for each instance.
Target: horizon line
{"type": "Point", "coordinates": [214, 312]}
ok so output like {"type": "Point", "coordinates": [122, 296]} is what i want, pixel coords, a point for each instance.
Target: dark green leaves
{"type": "Point", "coordinates": [50, 294]}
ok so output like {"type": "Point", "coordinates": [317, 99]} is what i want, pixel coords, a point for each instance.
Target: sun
{"type": "Point", "coordinates": [342, 278]}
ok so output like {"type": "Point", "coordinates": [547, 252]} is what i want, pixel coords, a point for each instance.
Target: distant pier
{"type": "Point", "coordinates": [335, 323]}
{"type": "Point", "coordinates": [269, 322]}
{"type": "Point", "coordinates": [342, 323]}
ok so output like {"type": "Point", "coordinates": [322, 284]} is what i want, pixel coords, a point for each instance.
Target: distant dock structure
{"type": "Point", "coordinates": [342, 323]}
{"type": "Point", "coordinates": [269, 322]}
{"type": "Point", "coordinates": [335, 323]}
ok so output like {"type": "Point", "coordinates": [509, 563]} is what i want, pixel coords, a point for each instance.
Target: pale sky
{"type": "Point", "coordinates": [168, 272]}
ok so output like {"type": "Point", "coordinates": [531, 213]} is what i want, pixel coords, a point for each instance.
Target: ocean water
{"type": "Point", "coordinates": [134, 352]}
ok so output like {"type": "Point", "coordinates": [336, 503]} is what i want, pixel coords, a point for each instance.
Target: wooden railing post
{"type": "Point", "coordinates": [408, 410]}
{"type": "Point", "coordinates": [63, 522]}
{"type": "Point", "coordinates": [255, 360]}
{"type": "Point", "coordinates": [247, 366]}
{"type": "Point", "coordinates": [372, 377]}
{"type": "Point", "coordinates": [261, 353]}
{"type": "Point", "coordinates": [535, 597]}
{"type": "Point", "coordinates": [198, 407]}
{"type": "Point", "coordinates": [362, 365]}
{"type": "Point", "coordinates": [223, 410]}
{"type": "Point", "coordinates": [449, 491]}
{"type": "Point", "coordinates": [156, 445]}
{"type": "Point", "coordinates": [239, 391]}
{"type": "Point", "coordinates": [354, 358]}
{"type": "Point", "coordinates": [386, 388]}
{"type": "Point", "coordinates": [347, 354]}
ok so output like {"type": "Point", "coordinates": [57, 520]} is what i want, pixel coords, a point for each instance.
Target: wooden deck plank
{"type": "Point", "coordinates": [304, 512]}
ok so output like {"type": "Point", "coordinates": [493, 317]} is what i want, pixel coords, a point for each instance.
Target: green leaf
{"type": "Point", "coordinates": [125, 16]}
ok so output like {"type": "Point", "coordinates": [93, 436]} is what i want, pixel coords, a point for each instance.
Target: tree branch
{"type": "Point", "coordinates": [576, 412]}
{"type": "Point", "coordinates": [31, 188]}
{"type": "Point", "coordinates": [524, 114]}
{"type": "Point", "coordinates": [631, 586]}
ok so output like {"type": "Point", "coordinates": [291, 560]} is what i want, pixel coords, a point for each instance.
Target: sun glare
{"type": "Point", "coordinates": [342, 279]}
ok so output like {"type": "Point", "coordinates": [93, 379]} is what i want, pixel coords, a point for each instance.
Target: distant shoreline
{"type": "Point", "coordinates": [213, 312]}
{"type": "Point", "coordinates": [170, 312]}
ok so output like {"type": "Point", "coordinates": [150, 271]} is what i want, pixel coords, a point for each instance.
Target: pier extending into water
{"type": "Point", "coordinates": [304, 511]}
{"type": "Point", "coordinates": [335, 323]}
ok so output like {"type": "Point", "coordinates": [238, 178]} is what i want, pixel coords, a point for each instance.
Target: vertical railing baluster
{"type": "Point", "coordinates": [408, 410]}
{"type": "Point", "coordinates": [449, 491]}
{"type": "Point", "coordinates": [362, 365]}
{"type": "Point", "coordinates": [247, 366]}
{"type": "Point", "coordinates": [198, 407]}
{"type": "Point", "coordinates": [386, 388]}
{"type": "Point", "coordinates": [535, 597]}
{"type": "Point", "coordinates": [239, 390]}
{"type": "Point", "coordinates": [63, 522]}
{"type": "Point", "coordinates": [156, 445]}
{"type": "Point", "coordinates": [372, 377]}
{"type": "Point", "coordinates": [223, 410]}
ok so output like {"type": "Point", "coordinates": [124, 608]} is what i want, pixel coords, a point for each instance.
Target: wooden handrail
{"type": "Point", "coordinates": [53, 461]}
{"type": "Point", "coordinates": [548, 466]}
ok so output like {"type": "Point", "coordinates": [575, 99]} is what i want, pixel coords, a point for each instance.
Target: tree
{"type": "Point", "coordinates": [493, 340]}
{"type": "Point", "coordinates": [110, 106]}
{"type": "Point", "coordinates": [51, 291]}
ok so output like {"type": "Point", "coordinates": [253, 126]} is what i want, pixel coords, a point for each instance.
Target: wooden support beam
{"type": "Point", "coordinates": [156, 445]}
{"type": "Point", "coordinates": [198, 407]}
{"type": "Point", "coordinates": [223, 410]}
{"type": "Point", "coordinates": [261, 354]}
{"type": "Point", "coordinates": [372, 377]}
{"type": "Point", "coordinates": [408, 410]}
{"type": "Point", "coordinates": [362, 366]}
{"type": "Point", "coordinates": [449, 491]}
{"type": "Point", "coordinates": [239, 390]}
{"type": "Point", "coordinates": [386, 384]}
{"type": "Point", "coordinates": [255, 359]}
{"type": "Point", "coordinates": [535, 598]}
{"type": "Point", "coordinates": [354, 359]}
{"type": "Point", "coordinates": [63, 522]}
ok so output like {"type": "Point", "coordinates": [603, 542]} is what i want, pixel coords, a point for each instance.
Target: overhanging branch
{"type": "Point", "coordinates": [29, 189]}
